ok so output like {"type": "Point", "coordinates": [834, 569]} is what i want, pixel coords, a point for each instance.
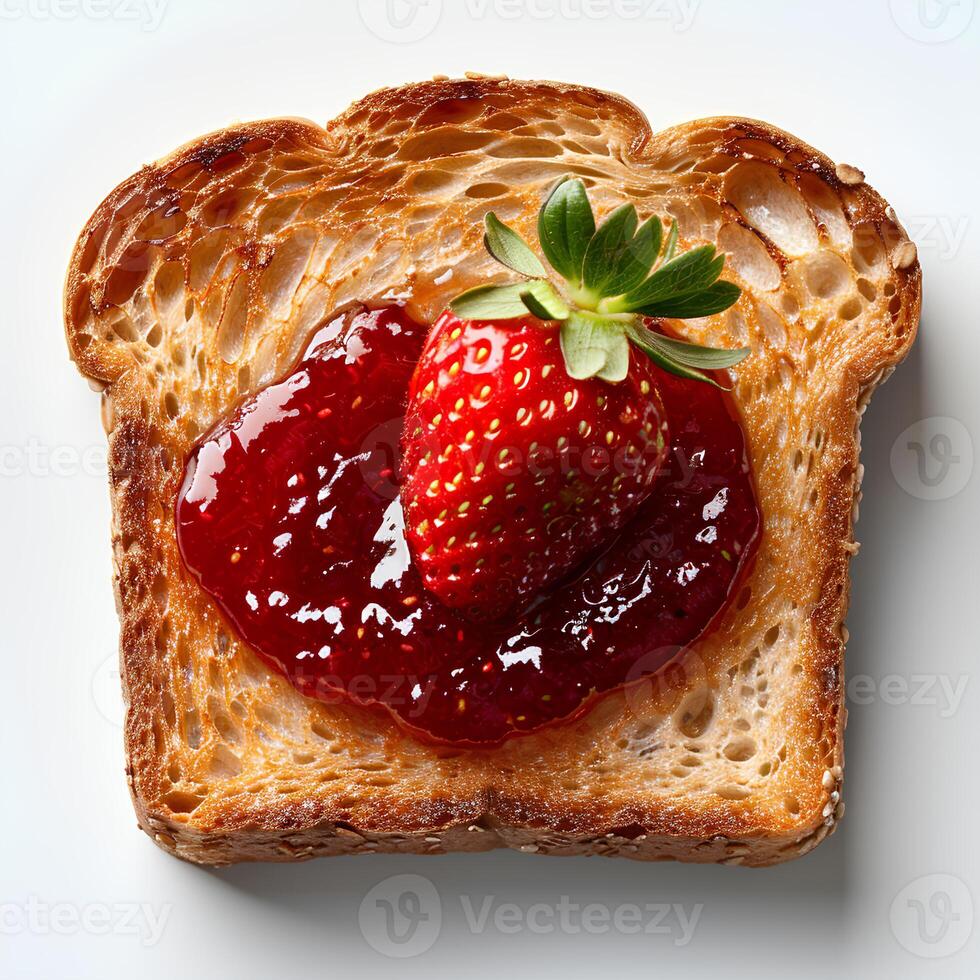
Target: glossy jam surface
{"type": "Point", "coordinates": [290, 518]}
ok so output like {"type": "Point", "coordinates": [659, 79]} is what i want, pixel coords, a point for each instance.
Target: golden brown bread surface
{"type": "Point", "coordinates": [198, 280]}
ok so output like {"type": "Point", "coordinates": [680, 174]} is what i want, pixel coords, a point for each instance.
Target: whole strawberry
{"type": "Point", "coordinates": [514, 471]}
{"type": "Point", "coordinates": [534, 429]}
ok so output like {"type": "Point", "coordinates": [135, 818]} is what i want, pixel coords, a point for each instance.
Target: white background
{"type": "Point", "coordinates": [91, 89]}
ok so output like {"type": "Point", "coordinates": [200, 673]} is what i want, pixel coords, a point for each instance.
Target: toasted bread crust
{"type": "Point", "coordinates": [197, 280]}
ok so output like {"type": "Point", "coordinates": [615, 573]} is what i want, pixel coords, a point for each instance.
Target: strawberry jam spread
{"type": "Point", "coordinates": [290, 518]}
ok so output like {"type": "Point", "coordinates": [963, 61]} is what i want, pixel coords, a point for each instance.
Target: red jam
{"type": "Point", "coordinates": [289, 517]}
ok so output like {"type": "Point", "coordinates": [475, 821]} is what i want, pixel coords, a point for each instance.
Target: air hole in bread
{"type": "Point", "coordinates": [826, 206]}
{"type": "Point", "coordinates": [695, 713]}
{"type": "Point", "coordinates": [432, 182]}
{"type": "Point", "coordinates": [274, 216]}
{"type": "Point", "coordinates": [749, 257]}
{"type": "Point", "coordinates": [457, 111]}
{"type": "Point", "coordinates": [161, 224]}
{"type": "Point", "coordinates": [868, 252]}
{"type": "Point", "coordinates": [382, 149]}
{"type": "Point", "coordinates": [486, 191]}
{"type": "Point", "coordinates": [192, 728]}
{"type": "Point", "coordinates": [772, 207]}
{"type": "Point", "coordinates": [867, 289]}
{"type": "Point", "coordinates": [225, 208]}
{"type": "Point", "coordinates": [179, 801]}
{"type": "Point", "coordinates": [282, 276]}
{"type": "Point", "coordinates": [825, 274]}
{"type": "Point", "coordinates": [322, 730]}
{"type": "Point", "coordinates": [772, 325]}
{"type": "Point", "coordinates": [525, 148]}
{"type": "Point", "coordinates": [167, 705]}
{"type": "Point", "coordinates": [268, 715]}
{"type": "Point", "coordinates": [575, 123]}
{"type": "Point", "coordinates": [226, 726]}
{"type": "Point", "coordinates": [124, 328]}
{"type": "Point", "coordinates": [129, 273]}
{"type": "Point", "coordinates": [159, 734]}
{"type": "Point", "coordinates": [732, 792]}
{"type": "Point", "coordinates": [443, 142]}
{"type": "Point", "coordinates": [224, 764]}
{"type": "Point", "coordinates": [790, 307]}
{"type": "Point", "coordinates": [168, 289]}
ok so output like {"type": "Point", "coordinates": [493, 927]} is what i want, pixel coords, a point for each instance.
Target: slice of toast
{"type": "Point", "coordinates": [199, 279]}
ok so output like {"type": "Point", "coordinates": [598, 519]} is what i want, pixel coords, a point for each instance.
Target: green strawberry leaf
{"type": "Point", "coordinates": [684, 359]}
{"type": "Point", "coordinates": [715, 298]}
{"type": "Point", "coordinates": [565, 228]}
{"type": "Point", "coordinates": [491, 302]}
{"type": "Point", "coordinates": [603, 255]}
{"type": "Point", "coordinates": [635, 259]}
{"type": "Point", "coordinates": [508, 302]}
{"type": "Point", "coordinates": [691, 355]}
{"type": "Point", "coordinates": [594, 347]}
{"type": "Point", "coordinates": [541, 299]}
{"type": "Point", "coordinates": [671, 245]}
{"type": "Point", "coordinates": [509, 249]}
{"type": "Point", "coordinates": [688, 273]}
